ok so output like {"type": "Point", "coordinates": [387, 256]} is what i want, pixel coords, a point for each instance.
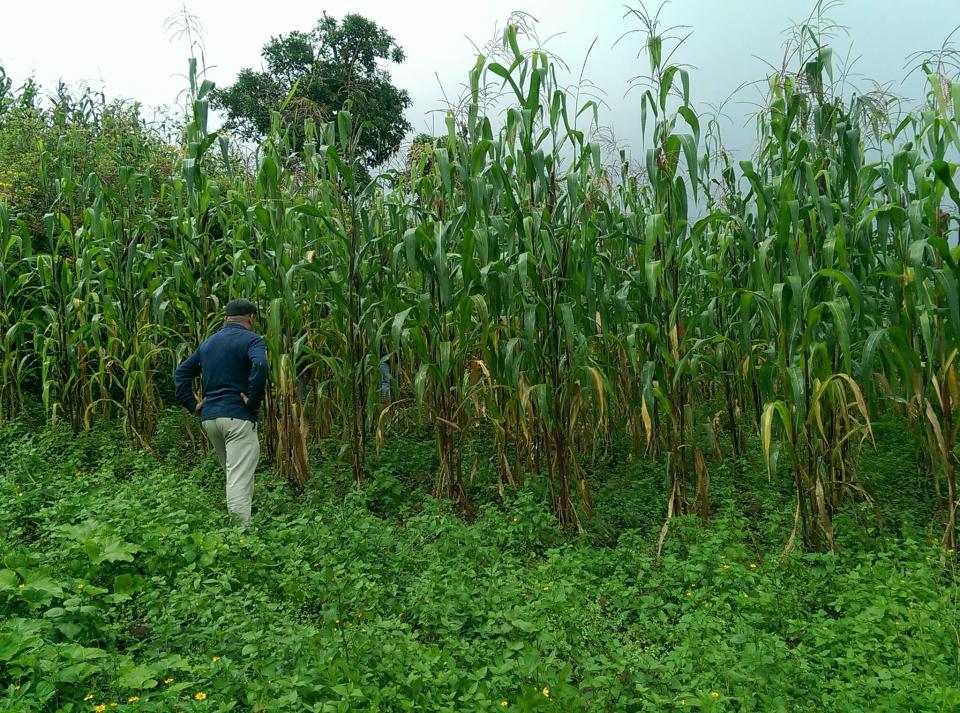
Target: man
{"type": "Point", "coordinates": [233, 363]}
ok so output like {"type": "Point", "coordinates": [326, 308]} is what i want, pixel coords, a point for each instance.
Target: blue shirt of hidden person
{"type": "Point", "coordinates": [233, 364]}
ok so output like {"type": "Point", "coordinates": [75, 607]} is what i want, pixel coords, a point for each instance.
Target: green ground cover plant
{"type": "Point", "coordinates": [660, 431]}
{"type": "Point", "coordinates": [123, 582]}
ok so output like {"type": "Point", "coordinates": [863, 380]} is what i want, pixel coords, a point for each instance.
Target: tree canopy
{"type": "Point", "coordinates": [322, 71]}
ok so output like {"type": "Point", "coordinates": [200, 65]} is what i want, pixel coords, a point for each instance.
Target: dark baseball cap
{"type": "Point", "coordinates": [239, 308]}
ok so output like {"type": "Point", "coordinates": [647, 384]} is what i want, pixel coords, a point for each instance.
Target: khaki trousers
{"type": "Point", "coordinates": [238, 448]}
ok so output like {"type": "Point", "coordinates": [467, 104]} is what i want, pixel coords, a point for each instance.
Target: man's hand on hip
{"type": "Point", "coordinates": [199, 407]}
{"type": "Point", "coordinates": [244, 397]}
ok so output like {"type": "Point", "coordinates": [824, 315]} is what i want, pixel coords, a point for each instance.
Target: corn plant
{"type": "Point", "coordinates": [509, 291]}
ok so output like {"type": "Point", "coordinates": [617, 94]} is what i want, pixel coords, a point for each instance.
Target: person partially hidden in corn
{"type": "Point", "coordinates": [233, 367]}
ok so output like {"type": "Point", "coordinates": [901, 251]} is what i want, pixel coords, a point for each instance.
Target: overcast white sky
{"type": "Point", "coordinates": [123, 48]}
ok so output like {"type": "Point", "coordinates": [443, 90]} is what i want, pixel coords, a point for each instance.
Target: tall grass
{"type": "Point", "coordinates": [519, 288]}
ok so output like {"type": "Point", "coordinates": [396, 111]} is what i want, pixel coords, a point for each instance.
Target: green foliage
{"type": "Point", "coordinates": [419, 158]}
{"type": "Point", "coordinates": [122, 577]}
{"type": "Point", "coordinates": [512, 286]}
{"type": "Point", "coordinates": [723, 343]}
{"type": "Point", "coordinates": [49, 149]}
{"type": "Point", "coordinates": [312, 76]}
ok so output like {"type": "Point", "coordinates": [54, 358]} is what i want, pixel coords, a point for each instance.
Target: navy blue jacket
{"type": "Point", "coordinates": [232, 361]}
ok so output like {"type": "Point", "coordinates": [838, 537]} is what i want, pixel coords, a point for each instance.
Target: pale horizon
{"type": "Point", "coordinates": [124, 50]}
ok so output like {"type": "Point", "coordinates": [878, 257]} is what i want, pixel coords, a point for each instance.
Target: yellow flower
{"type": "Point", "coordinates": [216, 658]}
{"type": "Point", "coordinates": [504, 704]}
{"type": "Point", "coordinates": [21, 585]}
{"type": "Point", "coordinates": [545, 692]}
{"type": "Point", "coordinates": [168, 681]}
{"type": "Point", "coordinates": [683, 701]}
{"type": "Point", "coordinates": [100, 709]}
{"type": "Point", "coordinates": [133, 699]}
{"type": "Point", "coordinates": [714, 695]}
{"type": "Point", "coordinates": [200, 696]}
{"type": "Point", "coordinates": [79, 585]}
{"type": "Point", "coordinates": [753, 565]}
{"type": "Point", "coordinates": [88, 697]}
{"type": "Point", "coordinates": [546, 588]}
{"type": "Point", "coordinates": [726, 566]}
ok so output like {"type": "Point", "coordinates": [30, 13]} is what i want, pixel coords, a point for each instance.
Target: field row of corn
{"type": "Point", "coordinates": [511, 283]}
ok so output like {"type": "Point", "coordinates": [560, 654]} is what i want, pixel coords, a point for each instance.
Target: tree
{"type": "Point", "coordinates": [323, 71]}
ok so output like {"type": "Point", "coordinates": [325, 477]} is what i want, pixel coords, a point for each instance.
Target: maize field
{"type": "Point", "coordinates": [532, 300]}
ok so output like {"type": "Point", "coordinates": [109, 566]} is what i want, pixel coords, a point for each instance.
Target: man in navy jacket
{"type": "Point", "coordinates": [233, 364]}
